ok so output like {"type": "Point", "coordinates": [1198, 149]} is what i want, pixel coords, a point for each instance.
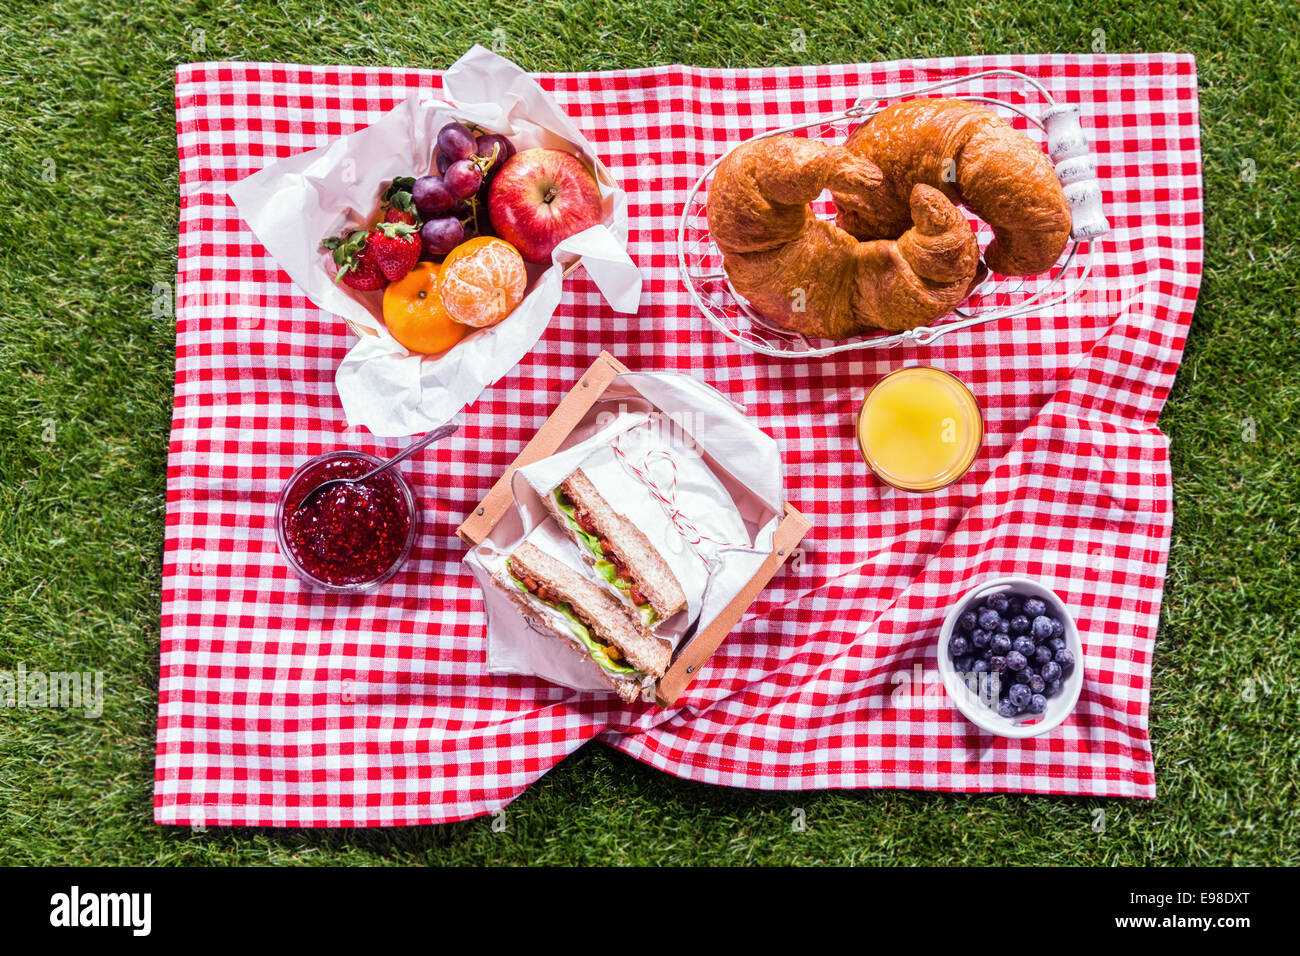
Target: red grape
{"type": "Point", "coordinates": [431, 196]}
{"type": "Point", "coordinates": [456, 141]}
{"type": "Point", "coordinates": [463, 179]}
{"type": "Point", "coordinates": [440, 236]}
{"type": "Point", "coordinates": [505, 149]}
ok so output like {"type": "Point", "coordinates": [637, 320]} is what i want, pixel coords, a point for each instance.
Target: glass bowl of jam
{"type": "Point", "coordinates": [349, 538]}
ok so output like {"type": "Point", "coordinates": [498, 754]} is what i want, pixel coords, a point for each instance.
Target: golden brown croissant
{"type": "Point", "coordinates": [974, 158]}
{"type": "Point", "coordinates": [809, 275]}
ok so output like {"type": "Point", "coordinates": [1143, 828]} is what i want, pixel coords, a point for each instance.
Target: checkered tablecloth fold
{"type": "Point", "coordinates": [281, 706]}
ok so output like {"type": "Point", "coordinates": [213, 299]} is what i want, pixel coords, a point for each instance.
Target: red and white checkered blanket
{"type": "Point", "coordinates": [281, 706]}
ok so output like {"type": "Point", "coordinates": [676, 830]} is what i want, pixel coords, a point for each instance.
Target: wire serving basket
{"type": "Point", "coordinates": [998, 297]}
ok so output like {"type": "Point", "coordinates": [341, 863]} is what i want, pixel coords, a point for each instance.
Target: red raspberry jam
{"type": "Point", "coordinates": [350, 536]}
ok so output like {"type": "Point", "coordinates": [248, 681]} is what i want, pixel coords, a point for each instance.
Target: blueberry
{"type": "Point", "coordinates": [1024, 645]}
{"type": "Point", "coordinates": [1053, 686]}
{"type": "Point", "coordinates": [1007, 709]}
{"type": "Point", "coordinates": [1057, 643]}
{"type": "Point", "coordinates": [979, 666]}
{"type": "Point", "coordinates": [1014, 607]}
{"type": "Point", "coordinates": [988, 688]}
{"type": "Point", "coordinates": [1004, 626]}
{"type": "Point", "coordinates": [1022, 676]}
{"type": "Point", "coordinates": [996, 663]}
{"type": "Point", "coordinates": [1000, 644]}
{"type": "Point", "coordinates": [999, 602]}
{"type": "Point", "coordinates": [963, 664]}
{"type": "Point", "coordinates": [1051, 671]}
{"type": "Point", "coordinates": [1020, 695]}
{"type": "Point", "coordinates": [1035, 606]}
{"type": "Point", "coordinates": [1065, 659]}
{"type": "Point", "coordinates": [1019, 624]}
{"type": "Point", "coordinates": [979, 638]}
{"type": "Point", "coordinates": [1058, 629]}
{"type": "Point", "coordinates": [1042, 627]}
{"type": "Point", "coordinates": [967, 621]}
{"type": "Point", "coordinates": [1037, 704]}
{"type": "Point", "coordinates": [1041, 656]}
{"type": "Point", "coordinates": [1036, 683]}
{"type": "Point", "coordinates": [989, 619]}
{"type": "Point", "coordinates": [958, 646]}
{"type": "Point", "coordinates": [1016, 661]}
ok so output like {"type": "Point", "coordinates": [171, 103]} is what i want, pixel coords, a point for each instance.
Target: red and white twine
{"type": "Point", "coordinates": [667, 499]}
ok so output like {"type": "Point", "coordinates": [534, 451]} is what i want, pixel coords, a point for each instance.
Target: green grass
{"type": "Point", "coordinates": [85, 399]}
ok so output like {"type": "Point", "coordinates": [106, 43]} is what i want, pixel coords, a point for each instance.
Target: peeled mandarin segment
{"type": "Point", "coordinates": [483, 284]}
{"type": "Point", "coordinates": [415, 315]}
{"type": "Point", "coordinates": [470, 246]}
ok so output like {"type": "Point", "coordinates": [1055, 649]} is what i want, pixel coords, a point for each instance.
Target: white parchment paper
{"type": "Point", "coordinates": [291, 204]}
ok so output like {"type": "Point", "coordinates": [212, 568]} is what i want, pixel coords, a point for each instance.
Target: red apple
{"type": "Point", "coordinates": [541, 196]}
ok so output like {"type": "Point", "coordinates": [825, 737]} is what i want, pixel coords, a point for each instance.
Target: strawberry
{"type": "Point", "coordinates": [395, 247]}
{"type": "Point", "coordinates": [397, 203]}
{"type": "Point", "coordinates": [366, 274]}
{"type": "Point", "coordinates": [357, 264]}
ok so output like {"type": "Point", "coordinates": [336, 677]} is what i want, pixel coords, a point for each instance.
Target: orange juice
{"type": "Point", "coordinates": [919, 428]}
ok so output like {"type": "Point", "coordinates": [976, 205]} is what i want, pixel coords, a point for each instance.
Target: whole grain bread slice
{"type": "Point", "coordinates": [608, 619]}
{"type": "Point", "coordinates": [627, 688]}
{"type": "Point", "coordinates": [628, 543]}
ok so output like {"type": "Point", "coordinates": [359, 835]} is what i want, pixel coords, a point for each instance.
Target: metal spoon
{"type": "Point", "coordinates": [401, 456]}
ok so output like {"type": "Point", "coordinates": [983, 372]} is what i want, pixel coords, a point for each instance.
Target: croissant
{"type": "Point", "coordinates": [973, 157]}
{"type": "Point", "coordinates": [809, 275]}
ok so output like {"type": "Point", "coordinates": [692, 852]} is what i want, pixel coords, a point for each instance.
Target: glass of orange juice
{"type": "Point", "coordinates": [919, 428]}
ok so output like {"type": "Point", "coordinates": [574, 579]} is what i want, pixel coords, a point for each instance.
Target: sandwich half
{"type": "Point", "coordinates": [565, 603]}
{"type": "Point", "coordinates": [630, 566]}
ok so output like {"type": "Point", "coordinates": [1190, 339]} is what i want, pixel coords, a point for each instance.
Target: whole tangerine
{"type": "Point", "coordinates": [482, 281]}
{"type": "Point", "coordinates": [414, 313]}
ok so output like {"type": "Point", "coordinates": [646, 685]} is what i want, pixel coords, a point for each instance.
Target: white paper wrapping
{"type": "Point", "coordinates": [290, 205]}
{"type": "Point", "coordinates": [728, 486]}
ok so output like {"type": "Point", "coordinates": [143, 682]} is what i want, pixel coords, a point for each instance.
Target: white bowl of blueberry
{"type": "Point", "coordinates": [1010, 657]}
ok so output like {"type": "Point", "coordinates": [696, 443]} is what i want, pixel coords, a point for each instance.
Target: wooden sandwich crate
{"type": "Point", "coordinates": [567, 415]}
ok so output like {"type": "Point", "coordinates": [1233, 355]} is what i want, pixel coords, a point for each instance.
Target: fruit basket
{"type": "Point", "coordinates": [348, 184]}
{"type": "Point", "coordinates": [997, 297]}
